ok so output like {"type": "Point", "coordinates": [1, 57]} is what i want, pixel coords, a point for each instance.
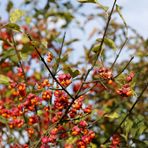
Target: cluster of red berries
{"type": "Point", "coordinates": [46, 95]}
{"type": "Point", "coordinates": [64, 79]}
{"type": "Point", "coordinates": [49, 57]}
{"type": "Point", "coordinates": [6, 37]}
{"type": "Point", "coordinates": [61, 100]}
{"type": "Point", "coordinates": [115, 141]}
{"type": "Point", "coordinates": [16, 123]}
{"type": "Point", "coordinates": [54, 135]}
{"type": "Point", "coordinates": [102, 72]}
{"type": "Point", "coordinates": [126, 89]}
{"type": "Point", "coordinates": [10, 113]}
{"type": "Point", "coordinates": [77, 86]}
{"type": "Point", "coordinates": [86, 135]}
{"type": "Point", "coordinates": [32, 120]}
{"type": "Point", "coordinates": [77, 108]}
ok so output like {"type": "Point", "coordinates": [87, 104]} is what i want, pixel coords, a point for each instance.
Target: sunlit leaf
{"type": "Point", "coordinates": [45, 43]}
{"type": "Point", "coordinates": [109, 42]}
{"type": "Point", "coordinates": [4, 79]}
{"type": "Point", "coordinates": [93, 145]}
{"type": "Point", "coordinates": [16, 15]}
{"type": "Point", "coordinates": [113, 115]}
{"type": "Point", "coordinates": [39, 112]}
{"type": "Point", "coordinates": [96, 47]}
{"type": "Point", "coordinates": [28, 20]}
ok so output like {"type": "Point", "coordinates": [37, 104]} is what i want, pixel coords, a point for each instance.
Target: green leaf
{"type": "Point", "coordinates": [27, 48]}
{"type": "Point", "coordinates": [93, 145]}
{"type": "Point", "coordinates": [87, 1]}
{"type": "Point", "coordinates": [96, 48]}
{"type": "Point", "coordinates": [9, 6]}
{"type": "Point", "coordinates": [72, 72]}
{"type": "Point", "coordinates": [75, 73]}
{"type": "Point", "coordinates": [3, 120]}
{"type": "Point", "coordinates": [141, 127]}
{"type": "Point", "coordinates": [35, 43]}
{"type": "Point", "coordinates": [142, 144]}
{"type": "Point", "coordinates": [72, 139]}
{"type": "Point", "coordinates": [12, 26]}
{"type": "Point", "coordinates": [39, 112]}
{"type": "Point", "coordinates": [65, 58]}
{"type": "Point", "coordinates": [16, 15]}
{"type": "Point", "coordinates": [113, 115]}
{"type": "Point", "coordinates": [110, 43]}
{"type": "Point", "coordinates": [4, 79]}
{"type": "Point", "coordinates": [71, 41]}
{"type": "Point", "coordinates": [128, 126]}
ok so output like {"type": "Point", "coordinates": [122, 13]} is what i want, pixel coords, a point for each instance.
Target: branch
{"type": "Point", "coordinates": [124, 67]}
{"type": "Point", "coordinates": [60, 54]}
{"type": "Point", "coordinates": [119, 53]}
{"type": "Point", "coordinates": [129, 112]}
{"type": "Point", "coordinates": [53, 76]}
{"type": "Point", "coordinates": [89, 70]}
{"type": "Point", "coordinates": [99, 50]}
{"type": "Point", "coordinates": [19, 58]}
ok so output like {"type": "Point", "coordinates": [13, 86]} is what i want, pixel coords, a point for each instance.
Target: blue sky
{"type": "Point", "coordinates": [135, 13]}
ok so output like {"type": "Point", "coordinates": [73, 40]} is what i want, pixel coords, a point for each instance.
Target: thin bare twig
{"type": "Point", "coordinates": [99, 50]}
{"type": "Point", "coordinates": [119, 53]}
{"type": "Point", "coordinates": [19, 59]}
{"type": "Point", "coordinates": [124, 67]}
{"type": "Point", "coordinates": [59, 58]}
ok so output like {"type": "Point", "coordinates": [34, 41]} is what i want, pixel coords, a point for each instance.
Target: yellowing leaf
{"type": "Point", "coordinates": [93, 145]}
{"type": "Point", "coordinates": [4, 79]}
{"type": "Point", "coordinates": [39, 112]}
{"type": "Point", "coordinates": [113, 115]}
{"type": "Point", "coordinates": [16, 15]}
{"type": "Point", "coordinates": [44, 43]}
{"type": "Point", "coordinates": [28, 20]}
